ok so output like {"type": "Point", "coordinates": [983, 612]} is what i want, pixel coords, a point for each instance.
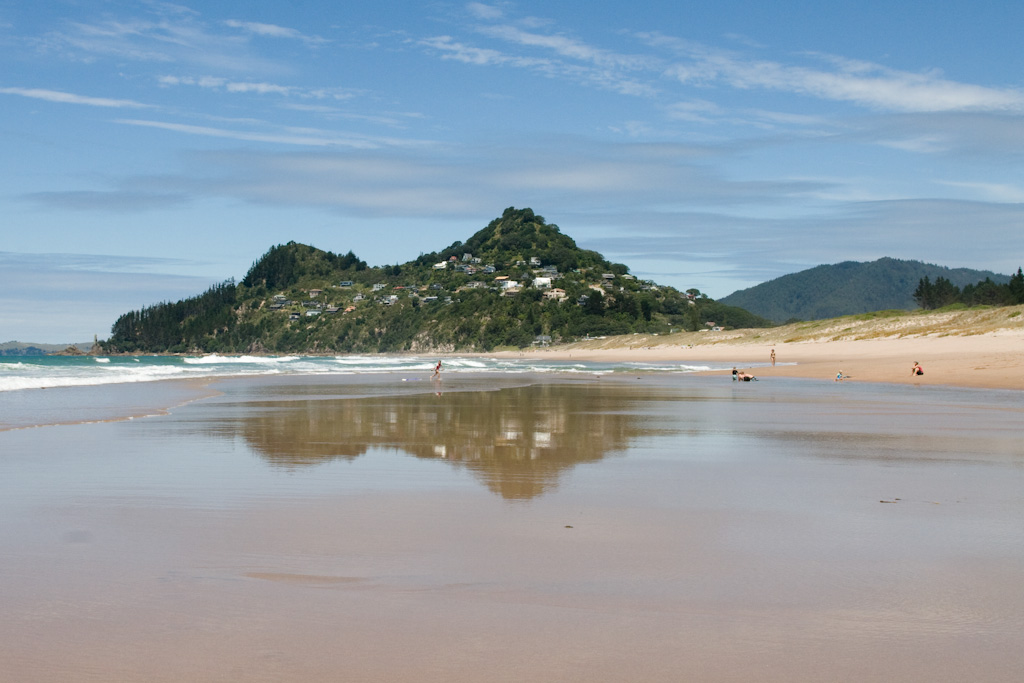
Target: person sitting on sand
{"type": "Point", "coordinates": [839, 376]}
{"type": "Point", "coordinates": [744, 377]}
{"type": "Point", "coordinates": [916, 370]}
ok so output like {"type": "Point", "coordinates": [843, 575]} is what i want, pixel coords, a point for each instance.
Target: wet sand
{"type": "Point", "coordinates": [659, 529]}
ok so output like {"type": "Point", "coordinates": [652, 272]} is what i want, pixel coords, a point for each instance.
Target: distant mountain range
{"type": "Point", "coordinates": [16, 348]}
{"type": "Point", "coordinates": [848, 288]}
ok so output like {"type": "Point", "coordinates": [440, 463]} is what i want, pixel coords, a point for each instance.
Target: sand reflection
{"type": "Point", "coordinates": [518, 442]}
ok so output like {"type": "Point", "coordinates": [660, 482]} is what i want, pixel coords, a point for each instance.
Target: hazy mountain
{"type": "Point", "coordinates": [16, 348]}
{"type": "Point", "coordinates": [847, 288]}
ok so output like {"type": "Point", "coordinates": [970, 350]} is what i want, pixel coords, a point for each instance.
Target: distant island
{"type": "Point", "coordinates": [16, 348]}
{"type": "Point", "coordinates": [518, 282]}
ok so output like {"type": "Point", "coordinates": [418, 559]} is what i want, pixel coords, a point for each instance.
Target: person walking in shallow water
{"type": "Point", "coordinates": [437, 371]}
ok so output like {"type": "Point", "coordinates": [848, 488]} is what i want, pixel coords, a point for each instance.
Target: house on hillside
{"type": "Point", "coordinates": [554, 294]}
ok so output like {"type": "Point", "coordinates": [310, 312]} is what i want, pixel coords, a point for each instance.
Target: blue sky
{"type": "Point", "coordinates": [152, 149]}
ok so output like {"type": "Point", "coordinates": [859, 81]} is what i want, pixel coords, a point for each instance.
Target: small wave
{"type": "Point", "coordinates": [111, 375]}
{"type": "Point", "coordinates": [102, 360]}
{"type": "Point", "coordinates": [214, 359]}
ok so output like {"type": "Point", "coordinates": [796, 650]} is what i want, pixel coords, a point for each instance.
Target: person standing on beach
{"type": "Point", "coordinates": [773, 358]}
{"type": "Point", "coordinates": [735, 374]}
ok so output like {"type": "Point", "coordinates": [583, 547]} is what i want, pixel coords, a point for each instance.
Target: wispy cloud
{"type": "Point", "coordinates": [259, 88]}
{"type": "Point", "coordinates": [172, 37]}
{"type": "Point", "coordinates": [994, 192]}
{"type": "Point", "coordinates": [862, 83]}
{"type": "Point", "coordinates": [459, 51]}
{"type": "Point", "coordinates": [567, 47]}
{"type": "Point", "coordinates": [464, 182]}
{"type": "Point", "coordinates": [273, 31]}
{"type": "Point", "coordinates": [71, 98]}
{"type": "Point", "coordinates": [121, 201]}
{"type": "Point", "coordinates": [611, 77]}
{"type": "Point", "coordinates": [693, 65]}
{"type": "Point", "coordinates": [304, 137]}
{"type": "Point", "coordinates": [482, 11]}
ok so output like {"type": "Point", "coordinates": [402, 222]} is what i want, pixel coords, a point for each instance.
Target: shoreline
{"type": "Point", "coordinates": [980, 349]}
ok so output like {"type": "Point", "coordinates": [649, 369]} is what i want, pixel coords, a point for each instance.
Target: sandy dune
{"type": "Point", "coordinates": [969, 348]}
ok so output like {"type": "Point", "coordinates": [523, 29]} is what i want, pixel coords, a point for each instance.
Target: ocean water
{"type": "Point", "coordinates": [97, 389]}
{"type": "Point", "coordinates": [49, 372]}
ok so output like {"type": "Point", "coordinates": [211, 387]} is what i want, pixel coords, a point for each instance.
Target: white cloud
{"type": "Point", "coordinates": [993, 192]}
{"type": "Point", "coordinates": [171, 37]}
{"type": "Point", "coordinates": [602, 69]}
{"type": "Point", "coordinates": [71, 98]}
{"type": "Point", "coordinates": [273, 31]}
{"type": "Point", "coordinates": [470, 55]}
{"type": "Point", "coordinates": [482, 11]}
{"type": "Point", "coordinates": [259, 88]}
{"type": "Point", "coordinates": [862, 83]}
{"type": "Point", "coordinates": [567, 47]}
{"type": "Point", "coordinates": [302, 137]}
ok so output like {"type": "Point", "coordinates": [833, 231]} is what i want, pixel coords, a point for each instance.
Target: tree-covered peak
{"type": "Point", "coordinates": [285, 265]}
{"type": "Point", "coordinates": [522, 235]}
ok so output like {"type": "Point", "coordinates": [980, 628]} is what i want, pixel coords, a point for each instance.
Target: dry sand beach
{"type": "Point", "coordinates": [971, 348]}
{"type": "Point", "coordinates": [653, 527]}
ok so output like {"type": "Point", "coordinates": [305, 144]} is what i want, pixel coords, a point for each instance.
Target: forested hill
{"type": "Point", "coordinates": [848, 288]}
{"type": "Point", "coordinates": [518, 281]}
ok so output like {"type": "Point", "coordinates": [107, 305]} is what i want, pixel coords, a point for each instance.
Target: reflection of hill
{"type": "Point", "coordinates": [518, 441]}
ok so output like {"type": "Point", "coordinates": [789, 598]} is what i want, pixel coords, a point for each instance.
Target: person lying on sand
{"type": "Point", "coordinates": [744, 377]}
